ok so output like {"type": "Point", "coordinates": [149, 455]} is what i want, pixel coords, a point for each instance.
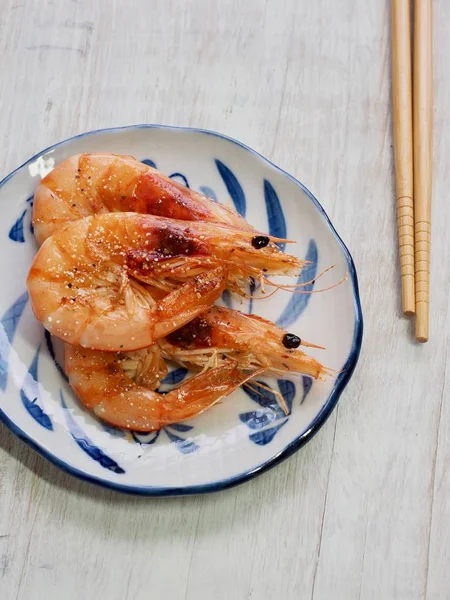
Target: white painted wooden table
{"type": "Point", "coordinates": [364, 510]}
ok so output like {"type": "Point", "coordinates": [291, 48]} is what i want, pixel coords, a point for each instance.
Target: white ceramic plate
{"type": "Point", "coordinates": [244, 435]}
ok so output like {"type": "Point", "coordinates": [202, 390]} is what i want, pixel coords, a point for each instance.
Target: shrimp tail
{"type": "Point", "coordinates": [203, 391]}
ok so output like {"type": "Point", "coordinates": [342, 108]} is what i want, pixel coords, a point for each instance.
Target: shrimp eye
{"type": "Point", "coordinates": [290, 340]}
{"type": "Point", "coordinates": [260, 241]}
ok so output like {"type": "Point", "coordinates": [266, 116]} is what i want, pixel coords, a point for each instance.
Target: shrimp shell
{"type": "Point", "coordinates": [87, 184]}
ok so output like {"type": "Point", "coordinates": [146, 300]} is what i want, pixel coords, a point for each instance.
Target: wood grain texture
{"type": "Point", "coordinates": [363, 510]}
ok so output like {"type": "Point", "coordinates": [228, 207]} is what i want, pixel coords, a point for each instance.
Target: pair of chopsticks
{"type": "Point", "coordinates": [412, 118]}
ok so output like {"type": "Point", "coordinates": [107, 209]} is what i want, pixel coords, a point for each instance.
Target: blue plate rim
{"type": "Point", "coordinates": [341, 381]}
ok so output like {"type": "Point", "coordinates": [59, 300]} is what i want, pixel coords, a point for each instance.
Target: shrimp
{"type": "Point", "coordinates": [102, 385]}
{"type": "Point", "coordinates": [88, 184]}
{"type": "Point", "coordinates": [214, 339]}
{"type": "Point", "coordinates": [96, 304]}
{"type": "Point", "coordinates": [221, 334]}
{"type": "Point", "coordinates": [85, 282]}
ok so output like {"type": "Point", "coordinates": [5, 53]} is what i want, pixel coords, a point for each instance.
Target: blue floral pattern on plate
{"type": "Point", "coordinates": [83, 441]}
{"type": "Point", "coordinates": [233, 186]}
{"type": "Point", "coordinates": [16, 233]}
{"type": "Point", "coordinates": [9, 324]}
{"type": "Point", "coordinates": [30, 395]}
{"type": "Point", "coordinates": [266, 421]}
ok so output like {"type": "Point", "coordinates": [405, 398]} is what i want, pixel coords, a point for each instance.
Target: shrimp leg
{"type": "Point", "coordinates": [103, 386]}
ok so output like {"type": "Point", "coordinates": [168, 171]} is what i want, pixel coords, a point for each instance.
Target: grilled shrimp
{"type": "Point", "coordinates": [104, 386]}
{"type": "Point", "coordinates": [216, 338]}
{"type": "Point", "coordinates": [211, 341]}
{"type": "Point", "coordinates": [88, 184]}
{"type": "Point", "coordinates": [81, 291]}
{"type": "Point", "coordinates": [220, 334]}
{"type": "Point", "coordinates": [84, 281]}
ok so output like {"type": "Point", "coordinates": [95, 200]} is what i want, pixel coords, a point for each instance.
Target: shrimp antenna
{"type": "Point", "coordinates": [280, 286]}
{"type": "Point", "coordinates": [327, 289]}
{"type": "Point", "coordinates": [277, 395]}
{"type": "Point", "coordinates": [265, 297]}
{"type": "Point", "coordinates": [302, 284]}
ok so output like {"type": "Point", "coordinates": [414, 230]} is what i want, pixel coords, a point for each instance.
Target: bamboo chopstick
{"type": "Point", "coordinates": [403, 144]}
{"type": "Point", "coordinates": [422, 126]}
